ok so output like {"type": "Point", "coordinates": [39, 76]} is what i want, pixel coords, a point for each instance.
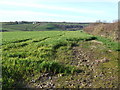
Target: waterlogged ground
{"type": "Point", "coordinates": [58, 59]}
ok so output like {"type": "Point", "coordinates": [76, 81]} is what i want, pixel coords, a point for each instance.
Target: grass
{"type": "Point", "coordinates": [109, 43]}
{"type": "Point", "coordinates": [43, 26]}
{"type": "Point", "coordinates": [13, 72]}
{"type": "Point", "coordinates": [36, 52]}
{"type": "Point", "coordinates": [32, 52]}
{"type": "Point", "coordinates": [30, 27]}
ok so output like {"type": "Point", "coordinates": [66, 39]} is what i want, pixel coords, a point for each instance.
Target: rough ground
{"type": "Point", "coordinates": [109, 30]}
{"type": "Point", "coordinates": [98, 66]}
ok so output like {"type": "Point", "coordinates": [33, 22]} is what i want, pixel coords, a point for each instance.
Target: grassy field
{"type": "Point", "coordinates": [29, 27]}
{"type": "Point", "coordinates": [60, 59]}
{"type": "Point", "coordinates": [43, 26]}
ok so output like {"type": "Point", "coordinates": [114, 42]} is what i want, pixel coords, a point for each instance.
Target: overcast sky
{"type": "Point", "coordinates": [59, 10]}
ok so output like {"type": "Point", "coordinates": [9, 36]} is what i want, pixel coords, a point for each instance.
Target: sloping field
{"type": "Point", "coordinates": [58, 59]}
{"type": "Point", "coordinates": [29, 27]}
{"type": "Point", "coordinates": [41, 26]}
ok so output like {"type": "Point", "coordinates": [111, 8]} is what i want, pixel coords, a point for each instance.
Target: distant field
{"type": "Point", "coordinates": [37, 26]}
{"type": "Point", "coordinates": [34, 58]}
{"type": "Point", "coordinates": [29, 27]}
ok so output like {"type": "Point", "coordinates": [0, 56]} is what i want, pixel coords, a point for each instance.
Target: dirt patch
{"type": "Point", "coordinates": [92, 61]}
{"type": "Point", "coordinates": [95, 41]}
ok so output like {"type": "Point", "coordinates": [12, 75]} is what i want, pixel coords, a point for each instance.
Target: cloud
{"type": "Point", "coordinates": [38, 16]}
{"type": "Point", "coordinates": [30, 15]}
{"type": "Point", "coordinates": [50, 7]}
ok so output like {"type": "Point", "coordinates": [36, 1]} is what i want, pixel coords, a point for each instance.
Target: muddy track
{"type": "Point", "coordinates": [86, 59]}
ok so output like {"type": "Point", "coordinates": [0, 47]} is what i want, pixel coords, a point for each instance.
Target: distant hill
{"type": "Point", "coordinates": [28, 27]}
{"type": "Point", "coordinates": [41, 26]}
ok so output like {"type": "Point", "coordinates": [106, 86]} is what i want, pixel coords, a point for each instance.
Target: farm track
{"type": "Point", "coordinates": [86, 59]}
{"type": "Point", "coordinates": [83, 58]}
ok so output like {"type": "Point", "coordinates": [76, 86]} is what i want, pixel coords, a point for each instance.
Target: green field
{"type": "Point", "coordinates": [29, 27]}
{"type": "Point", "coordinates": [27, 56]}
{"type": "Point", "coordinates": [41, 26]}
